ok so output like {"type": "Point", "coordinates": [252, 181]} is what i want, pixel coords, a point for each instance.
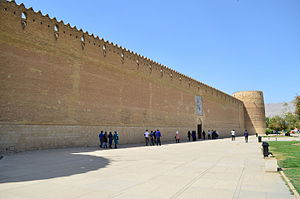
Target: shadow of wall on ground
{"type": "Point", "coordinates": [47, 164]}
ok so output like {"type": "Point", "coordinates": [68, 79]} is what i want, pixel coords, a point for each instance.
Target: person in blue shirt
{"type": "Point", "coordinates": [158, 136]}
{"type": "Point", "coordinates": [101, 138]}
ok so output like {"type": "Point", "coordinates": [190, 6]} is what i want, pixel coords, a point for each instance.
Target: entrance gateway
{"type": "Point", "coordinates": [199, 130]}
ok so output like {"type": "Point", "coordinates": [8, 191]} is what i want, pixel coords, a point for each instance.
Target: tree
{"type": "Point", "coordinates": [287, 122]}
{"type": "Point", "coordinates": [277, 123]}
{"type": "Point", "coordinates": [268, 122]}
{"type": "Point", "coordinates": [297, 106]}
{"type": "Point", "coordinates": [291, 120]}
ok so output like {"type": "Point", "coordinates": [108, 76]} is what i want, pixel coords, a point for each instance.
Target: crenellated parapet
{"type": "Point", "coordinates": [81, 43]}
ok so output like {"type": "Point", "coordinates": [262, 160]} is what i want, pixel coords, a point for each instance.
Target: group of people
{"type": "Point", "coordinates": [246, 135]}
{"type": "Point", "coordinates": [211, 134]}
{"type": "Point", "coordinates": [152, 138]}
{"type": "Point", "coordinates": [108, 138]}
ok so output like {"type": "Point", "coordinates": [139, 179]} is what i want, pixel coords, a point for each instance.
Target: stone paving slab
{"type": "Point", "coordinates": [205, 169]}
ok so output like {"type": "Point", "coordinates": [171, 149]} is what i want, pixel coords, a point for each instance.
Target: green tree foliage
{"type": "Point", "coordinates": [277, 123]}
{"type": "Point", "coordinates": [287, 122]}
{"type": "Point", "coordinates": [297, 106]}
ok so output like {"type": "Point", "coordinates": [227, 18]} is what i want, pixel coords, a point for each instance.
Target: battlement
{"type": "Point", "coordinates": [90, 42]}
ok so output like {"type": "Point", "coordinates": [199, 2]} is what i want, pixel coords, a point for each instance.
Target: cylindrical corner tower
{"type": "Point", "coordinates": [255, 121]}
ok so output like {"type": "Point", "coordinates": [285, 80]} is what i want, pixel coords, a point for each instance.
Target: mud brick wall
{"type": "Point", "coordinates": [60, 86]}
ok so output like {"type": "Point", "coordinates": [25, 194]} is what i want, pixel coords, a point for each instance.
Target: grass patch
{"type": "Point", "coordinates": [288, 155]}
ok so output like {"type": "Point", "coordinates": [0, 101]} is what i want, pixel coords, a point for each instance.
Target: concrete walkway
{"type": "Point", "coordinates": [205, 169]}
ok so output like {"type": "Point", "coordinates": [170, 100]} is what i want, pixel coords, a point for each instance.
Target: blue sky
{"type": "Point", "coordinates": [232, 45]}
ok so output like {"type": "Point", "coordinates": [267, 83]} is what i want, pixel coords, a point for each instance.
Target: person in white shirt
{"type": "Point", "coordinates": [208, 134]}
{"type": "Point", "coordinates": [177, 137]}
{"type": "Point", "coordinates": [233, 135]}
{"type": "Point", "coordinates": [146, 135]}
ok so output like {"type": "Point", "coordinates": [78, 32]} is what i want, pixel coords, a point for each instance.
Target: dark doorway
{"type": "Point", "coordinates": [199, 131]}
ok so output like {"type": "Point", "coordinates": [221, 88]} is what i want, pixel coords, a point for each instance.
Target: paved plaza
{"type": "Point", "coordinates": [204, 169]}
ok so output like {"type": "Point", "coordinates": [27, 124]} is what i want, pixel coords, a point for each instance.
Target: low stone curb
{"type": "Point", "coordinates": [291, 186]}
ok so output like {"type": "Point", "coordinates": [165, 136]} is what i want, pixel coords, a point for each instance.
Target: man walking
{"type": "Point", "coordinates": [246, 134]}
{"type": "Point", "coordinates": [203, 134]}
{"type": "Point", "coordinates": [146, 135]}
{"type": "Point", "coordinates": [233, 135]}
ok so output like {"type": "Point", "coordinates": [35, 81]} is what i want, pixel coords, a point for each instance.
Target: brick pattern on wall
{"type": "Point", "coordinates": [55, 78]}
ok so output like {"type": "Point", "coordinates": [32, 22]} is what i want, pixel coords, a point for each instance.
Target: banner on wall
{"type": "Point", "coordinates": [198, 103]}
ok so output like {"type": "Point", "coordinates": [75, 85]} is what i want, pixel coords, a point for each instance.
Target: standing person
{"type": "Point", "coordinates": [246, 134]}
{"type": "Point", "coordinates": [116, 139]}
{"type": "Point", "coordinates": [203, 134]}
{"type": "Point", "coordinates": [233, 135]}
{"type": "Point", "coordinates": [177, 137]}
{"type": "Point", "coordinates": [110, 139]}
{"type": "Point", "coordinates": [101, 138]}
{"type": "Point", "coordinates": [151, 139]}
{"type": "Point", "coordinates": [158, 136]}
{"type": "Point", "coordinates": [189, 135]}
{"type": "Point", "coordinates": [105, 140]}
{"type": "Point", "coordinates": [194, 136]}
{"type": "Point", "coordinates": [146, 135]}
{"type": "Point", "coordinates": [208, 134]}
{"type": "Point", "coordinates": [213, 134]}
{"type": "Point", "coordinates": [154, 137]}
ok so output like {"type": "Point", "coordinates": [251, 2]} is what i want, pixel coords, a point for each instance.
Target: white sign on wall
{"type": "Point", "coordinates": [198, 103]}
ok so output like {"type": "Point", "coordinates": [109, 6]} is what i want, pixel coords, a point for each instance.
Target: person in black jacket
{"type": "Point", "coordinates": [105, 140]}
{"type": "Point", "coordinates": [154, 137]}
{"type": "Point", "coordinates": [189, 135]}
{"type": "Point", "coordinates": [110, 139]}
{"type": "Point", "coordinates": [203, 134]}
{"type": "Point", "coordinates": [194, 136]}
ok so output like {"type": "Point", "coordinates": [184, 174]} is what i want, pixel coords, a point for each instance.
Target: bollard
{"type": "Point", "coordinates": [265, 146]}
{"type": "Point", "coordinates": [259, 138]}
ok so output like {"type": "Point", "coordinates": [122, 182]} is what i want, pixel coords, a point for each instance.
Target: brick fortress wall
{"type": "Point", "coordinates": [60, 86]}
